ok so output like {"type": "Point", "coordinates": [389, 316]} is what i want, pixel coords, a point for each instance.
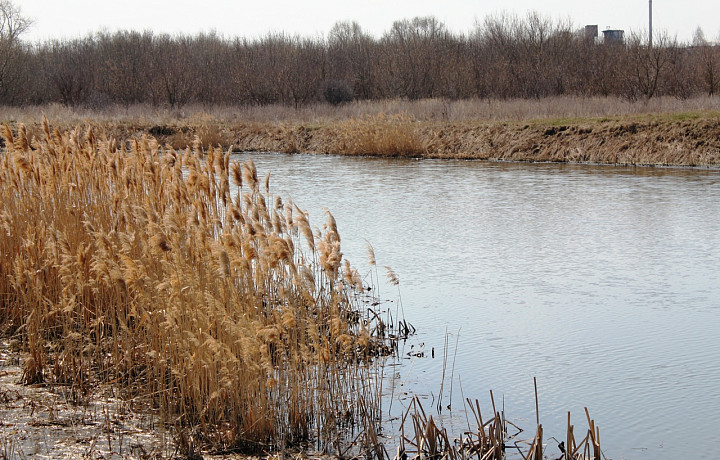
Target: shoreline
{"type": "Point", "coordinates": [623, 142]}
{"type": "Point", "coordinates": [688, 140]}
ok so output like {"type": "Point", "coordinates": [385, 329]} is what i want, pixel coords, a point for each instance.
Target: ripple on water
{"type": "Point", "coordinates": [602, 282]}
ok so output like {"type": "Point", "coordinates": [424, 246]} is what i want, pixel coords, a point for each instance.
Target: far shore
{"type": "Point", "coordinates": [531, 131]}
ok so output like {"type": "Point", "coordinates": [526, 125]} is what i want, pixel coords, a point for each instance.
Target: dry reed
{"type": "Point", "coordinates": [489, 439]}
{"type": "Point", "coordinates": [452, 110]}
{"type": "Point", "coordinates": [136, 264]}
{"type": "Point", "coordinates": [378, 135]}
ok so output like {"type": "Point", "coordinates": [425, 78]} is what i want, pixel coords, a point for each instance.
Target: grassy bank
{"type": "Point", "coordinates": [598, 130]}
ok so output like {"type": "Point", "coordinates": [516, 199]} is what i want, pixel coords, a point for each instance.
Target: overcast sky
{"type": "Point", "coordinates": [231, 18]}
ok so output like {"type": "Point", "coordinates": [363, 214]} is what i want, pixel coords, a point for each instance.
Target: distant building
{"type": "Point", "coordinates": [611, 36]}
{"type": "Point", "coordinates": [591, 32]}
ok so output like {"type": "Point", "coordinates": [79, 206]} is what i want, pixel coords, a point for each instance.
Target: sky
{"type": "Point", "coordinates": [67, 19]}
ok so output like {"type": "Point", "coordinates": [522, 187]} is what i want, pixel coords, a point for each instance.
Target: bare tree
{"type": "Point", "coordinates": [417, 49]}
{"type": "Point", "coordinates": [12, 25]}
{"type": "Point", "coordinates": [505, 57]}
{"type": "Point", "coordinates": [125, 70]}
{"type": "Point", "coordinates": [708, 62]}
{"type": "Point", "coordinates": [646, 65]}
{"type": "Point", "coordinates": [303, 71]}
{"type": "Point", "coordinates": [681, 79]}
{"type": "Point", "coordinates": [68, 67]}
{"type": "Point", "coordinates": [351, 62]}
{"type": "Point", "coordinates": [174, 81]}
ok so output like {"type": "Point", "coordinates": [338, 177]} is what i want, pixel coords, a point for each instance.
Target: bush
{"type": "Point", "coordinates": [337, 92]}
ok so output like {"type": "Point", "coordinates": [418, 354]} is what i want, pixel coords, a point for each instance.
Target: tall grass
{"type": "Point", "coordinates": [179, 278]}
{"type": "Point", "coordinates": [378, 135]}
{"type": "Point", "coordinates": [451, 110]}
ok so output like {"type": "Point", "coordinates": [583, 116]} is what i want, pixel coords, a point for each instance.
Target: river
{"type": "Point", "coordinates": [603, 282]}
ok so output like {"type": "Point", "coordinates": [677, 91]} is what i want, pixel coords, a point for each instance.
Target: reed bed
{"type": "Point", "coordinates": [378, 135]}
{"type": "Point", "coordinates": [178, 278]}
{"type": "Point", "coordinates": [489, 439]}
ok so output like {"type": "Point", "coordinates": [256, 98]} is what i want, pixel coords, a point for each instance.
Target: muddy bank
{"type": "Point", "coordinates": [682, 140]}
{"type": "Point", "coordinates": [687, 143]}
{"type": "Point", "coordinates": [54, 422]}
{"type": "Point", "coordinates": [614, 142]}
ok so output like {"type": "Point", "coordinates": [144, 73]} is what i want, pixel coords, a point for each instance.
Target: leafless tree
{"type": "Point", "coordinates": [351, 59]}
{"type": "Point", "coordinates": [173, 80]}
{"type": "Point", "coordinates": [12, 26]}
{"type": "Point", "coordinates": [708, 62]}
{"type": "Point", "coordinates": [417, 56]}
{"type": "Point", "coordinates": [506, 56]}
{"type": "Point", "coordinates": [69, 70]}
{"type": "Point", "coordinates": [645, 65]}
{"type": "Point", "coordinates": [125, 68]}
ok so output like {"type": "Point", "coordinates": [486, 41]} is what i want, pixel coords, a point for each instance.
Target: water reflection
{"type": "Point", "coordinates": [602, 282]}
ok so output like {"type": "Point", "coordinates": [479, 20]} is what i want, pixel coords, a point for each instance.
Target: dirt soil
{"type": "Point", "coordinates": [51, 423]}
{"type": "Point", "coordinates": [43, 422]}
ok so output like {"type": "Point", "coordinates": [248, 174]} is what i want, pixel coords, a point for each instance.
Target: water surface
{"type": "Point", "coordinates": [602, 282]}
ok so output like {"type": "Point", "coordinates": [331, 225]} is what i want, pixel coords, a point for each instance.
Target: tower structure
{"type": "Point", "coordinates": [650, 26]}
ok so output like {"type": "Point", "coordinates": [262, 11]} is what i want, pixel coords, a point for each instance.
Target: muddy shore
{"type": "Point", "coordinates": [671, 139]}
{"type": "Point", "coordinates": [641, 142]}
{"type": "Point", "coordinates": [676, 140]}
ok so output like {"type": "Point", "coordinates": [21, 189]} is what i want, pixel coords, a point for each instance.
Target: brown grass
{"type": "Point", "coordinates": [426, 110]}
{"type": "Point", "coordinates": [378, 135]}
{"type": "Point", "coordinates": [661, 131]}
{"type": "Point", "coordinates": [159, 271]}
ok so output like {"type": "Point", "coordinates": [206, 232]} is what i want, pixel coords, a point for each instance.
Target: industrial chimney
{"type": "Point", "coordinates": [650, 32]}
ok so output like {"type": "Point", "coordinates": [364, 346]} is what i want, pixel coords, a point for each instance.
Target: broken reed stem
{"type": "Point", "coordinates": [594, 436]}
{"type": "Point", "coordinates": [537, 405]}
{"type": "Point", "coordinates": [444, 367]}
{"type": "Point", "coordinates": [487, 439]}
{"type": "Point", "coordinates": [452, 370]}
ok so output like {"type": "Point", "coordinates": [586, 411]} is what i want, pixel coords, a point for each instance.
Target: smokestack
{"type": "Point", "coordinates": [650, 32]}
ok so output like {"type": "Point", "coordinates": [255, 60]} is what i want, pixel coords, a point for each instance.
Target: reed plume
{"type": "Point", "coordinates": [132, 264]}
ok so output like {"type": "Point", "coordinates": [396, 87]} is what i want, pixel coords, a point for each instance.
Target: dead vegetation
{"type": "Point", "coordinates": [179, 279]}
{"type": "Point", "coordinates": [175, 281]}
{"type": "Point", "coordinates": [40, 421]}
{"type": "Point", "coordinates": [662, 131]}
{"type": "Point", "coordinates": [378, 135]}
{"type": "Point", "coordinates": [493, 438]}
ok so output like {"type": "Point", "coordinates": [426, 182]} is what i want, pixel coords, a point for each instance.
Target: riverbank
{"type": "Point", "coordinates": [675, 139]}
{"type": "Point", "coordinates": [692, 140]}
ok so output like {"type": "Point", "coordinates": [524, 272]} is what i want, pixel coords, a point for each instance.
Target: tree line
{"type": "Point", "coordinates": [505, 56]}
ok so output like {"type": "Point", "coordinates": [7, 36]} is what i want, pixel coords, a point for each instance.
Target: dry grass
{"type": "Point", "coordinates": [378, 135]}
{"type": "Point", "coordinates": [177, 277]}
{"type": "Point", "coordinates": [662, 131]}
{"type": "Point", "coordinates": [422, 110]}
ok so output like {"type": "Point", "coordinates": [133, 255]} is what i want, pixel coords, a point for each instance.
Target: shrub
{"type": "Point", "coordinates": [337, 92]}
